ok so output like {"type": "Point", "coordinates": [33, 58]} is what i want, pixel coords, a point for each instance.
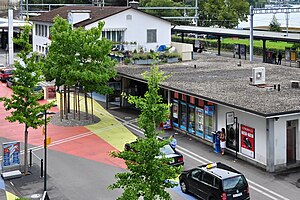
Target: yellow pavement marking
{"type": "Point", "coordinates": [116, 135]}
{"type": "Point", "coordinates": [10, 196]}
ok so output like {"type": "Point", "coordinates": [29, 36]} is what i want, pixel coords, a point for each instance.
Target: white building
{"type": "Point", "coordinates": [122, 25]}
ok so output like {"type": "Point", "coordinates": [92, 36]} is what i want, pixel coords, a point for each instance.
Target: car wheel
{"type": "Point", "coordinates": [184, 187]}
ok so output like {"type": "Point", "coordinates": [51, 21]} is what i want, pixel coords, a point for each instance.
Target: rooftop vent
{"type": "Point", "coordinates": [134, 4]}
{"type": "Point", "coordinates": [295, 84]}
{"type": "Point", "coordinates": [258, 74]}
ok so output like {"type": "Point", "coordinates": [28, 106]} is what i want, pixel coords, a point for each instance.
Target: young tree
{"type": "Point", "coordinates": [78, 57]}
{"type": "Point", "coordinates": [275, 25]}
{"type": "Point", "coordinates": [24, 101]}
{"type": "Point", "coordinates": [148, 175]}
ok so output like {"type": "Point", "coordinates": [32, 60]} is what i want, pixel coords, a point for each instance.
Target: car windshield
{"type": "Point", "coordinates": [38, 88]}
{"type": "Point", "coordinates": [166, 150]}
{"type": "Point", "coordinates": [237, 182]}
{"type": "Point", "coordinates": [8, 72]}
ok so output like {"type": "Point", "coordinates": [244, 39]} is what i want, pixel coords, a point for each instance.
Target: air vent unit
{"type": "Point", "coordinates": [258, 74]}
{"type": "Point", "coordinates": [295, 84]}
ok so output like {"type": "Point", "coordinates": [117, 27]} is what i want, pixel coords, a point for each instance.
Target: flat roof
{"type": "Point", "coordinates": [258, 35]}
{"type": "Point", "coordinates": [220, 80]}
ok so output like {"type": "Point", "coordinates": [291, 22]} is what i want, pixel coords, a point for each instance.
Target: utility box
{"type": "Point", "coordinates": [185, 50]}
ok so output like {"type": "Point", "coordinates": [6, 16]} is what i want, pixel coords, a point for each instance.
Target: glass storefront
{"type": "Point", "coordinates": [193, 115]}
{"type": "Point", "coordinates": [175, 113]}
{"type": "Point", "coordinates": [191, 127]}
{"type": "Point", "coordinates": [183, 116]}
{"type": "Point", "coordinates": [209, 122]}
{"type": "Point", "coordinates": [200, 122]}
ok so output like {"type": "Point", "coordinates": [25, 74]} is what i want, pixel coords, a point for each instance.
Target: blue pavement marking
{"type": "Point", "coordinates": [185, 196]}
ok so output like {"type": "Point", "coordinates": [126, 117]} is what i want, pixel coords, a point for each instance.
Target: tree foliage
{"type": "Point", "coordinates": [223, 13]}
{"type": "Point", "coordinates": [275, 25]}
{"type": "Point", "coordinates": [162, 3]}
{"type": "Point", "coordinates": [24, 103]}
{"type": "Point", "coordinates": [148, 175]}
{"type": "Point", "coordinates": [79, 57]}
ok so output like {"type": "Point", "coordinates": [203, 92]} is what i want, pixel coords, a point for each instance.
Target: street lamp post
{"type": "Point", "coordinates": [45, 145]}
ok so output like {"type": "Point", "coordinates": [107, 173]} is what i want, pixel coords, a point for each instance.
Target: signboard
{"type": "Point", "coordinates": [230, 118]}
{"type": "Point", "coordinates": [11, 154]}
{"type": "Point", "coordinates": [247, 141]}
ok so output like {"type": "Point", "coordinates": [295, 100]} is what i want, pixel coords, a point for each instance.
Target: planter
{"type": "Point", "coordinates": [172, 60]}
{"type": "Point", "coordinates": [141, 62]}
{"type": "Point", "coordinates": [151, 61]}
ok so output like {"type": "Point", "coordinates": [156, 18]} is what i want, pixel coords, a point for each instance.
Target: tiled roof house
{"type": "Point", "coordinates": [122, 24]}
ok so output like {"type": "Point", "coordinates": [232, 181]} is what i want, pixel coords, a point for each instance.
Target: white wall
{"type": "Point", "coordinates": [253, 121]}
{"type": "Point", "coordinates": [136, 29]}
{"type": "Point", "coordinates": [39, 40]}
{"type": "Point", "coordinates": [280, 139]}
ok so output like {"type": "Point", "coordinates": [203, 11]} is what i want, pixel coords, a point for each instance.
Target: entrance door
{"type": "Point", "coordinates": [291, 131]}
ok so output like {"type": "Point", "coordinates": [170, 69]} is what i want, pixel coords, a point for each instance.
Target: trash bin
{"type": "Point", "coordinates": [216, 141]}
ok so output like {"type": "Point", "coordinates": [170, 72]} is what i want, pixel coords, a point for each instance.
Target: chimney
{"type": "Point", "coordinates": [134, 4]}
{"type": "Point", "coordinates": [75, 16]}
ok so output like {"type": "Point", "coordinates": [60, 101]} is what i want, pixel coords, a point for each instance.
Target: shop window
{"type": "Point", "coordinates": [183, 116]}
{"type": "Point", "coordinates": [175, 113]}
{"type": "Point", "coordinates": [191, 127]}
{"type": "Point", "coordinates": [199, 122]}
{"type": "Point", "coordinates": [209, 112]}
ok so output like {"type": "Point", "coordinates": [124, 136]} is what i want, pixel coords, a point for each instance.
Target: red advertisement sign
{"type": "Point", "coordinates": [247, 140]}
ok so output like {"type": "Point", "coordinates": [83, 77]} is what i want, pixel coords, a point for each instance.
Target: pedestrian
{"type": "Point", "coordinates": [173, 141]}
{"type": "Point", "coordinates": [222, 140]}
{"type": "Point", "coordinates": [274, 58]}
{"type": "Point", "coordinates": [279, 58]}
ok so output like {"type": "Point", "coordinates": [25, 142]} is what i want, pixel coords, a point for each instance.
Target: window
{"type": "Point", "coordinates": [128, 17]}
{"type": "Point", "coordinates": [151, 36]}
{"type": "Point", "coordinates": [207, 178]}
{"type": "Point", "coordinates": [196, 174]}
{"type": "Point", "coordinates": [36, 29]}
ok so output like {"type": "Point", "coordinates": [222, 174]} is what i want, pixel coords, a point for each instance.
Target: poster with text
{"type": "Point", "coordinates": [247, 140]}
{"type": "Point", "coordinates": [11, 154]}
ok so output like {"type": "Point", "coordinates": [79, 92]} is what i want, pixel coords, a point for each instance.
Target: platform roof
{"type": "Point", "coordinates": [258, 35]}
{"type": "Point", "coordinates": [220, 80]}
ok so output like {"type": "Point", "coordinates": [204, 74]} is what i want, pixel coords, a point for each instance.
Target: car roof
{"type": "Point", "coordinates": [222, 173]}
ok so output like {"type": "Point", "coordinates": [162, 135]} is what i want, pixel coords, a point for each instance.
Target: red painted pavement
{"type": "Point", "coordinates": [89, 147]}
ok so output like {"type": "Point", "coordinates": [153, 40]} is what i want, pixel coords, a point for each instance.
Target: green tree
{"type": "Point", "coordinates": [24, 101]}
{"type": "Point", "coordinates": [148, 175]}
{"type": "Point", "coordinates": [274, 25]}
{"type": "Point", "coordinates": [78, 57]}
{"type": "Point", "coordinates": [223, 13]}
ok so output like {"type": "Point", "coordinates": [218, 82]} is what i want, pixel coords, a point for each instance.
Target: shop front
{"type": "Point", "coordinates": [193, 115]}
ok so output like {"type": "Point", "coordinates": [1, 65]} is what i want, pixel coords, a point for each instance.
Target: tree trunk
{"type": "Point", "coordinates": [69, 105]}
{"type": "Point", "coordinates": [86, 106]}
{"type": "Point", "coordinates": [78, 105]}
{"type": "Point", "coordinates": [26, 151]}
{"type": "Point", "coordinates": [61, 106]}
{"type": "Point", "coordinates": [74, 102]}
{"type": "Point", "coordinates": [65, 102]}
{"type": "Point", "coordinates": [92, 106]}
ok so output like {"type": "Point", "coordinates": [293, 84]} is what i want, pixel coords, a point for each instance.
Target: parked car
{"type": "Point", "coordinates": [168, 151]}
{"type": "Point", "coordinates": [40, 91]}
{"type": "Point", "coordinates": [215, 181]}
{"type": "Point", "coordinates": [10, 82]}
{"type": "Point", "coordinates": [5, 73]}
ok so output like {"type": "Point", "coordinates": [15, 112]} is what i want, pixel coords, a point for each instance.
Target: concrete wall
{"type": "Point", "coordinates": [253, 121]}
{"type": "Point", "coordinates": [136, 29]}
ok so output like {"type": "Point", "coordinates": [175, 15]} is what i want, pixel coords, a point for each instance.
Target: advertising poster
{"type": "Point", "coordinates": [247, 141]}
{"type": "Point", "coordinates": [209, 121]}
{"type": "Point", "coordinates": [231, 131]}
{"type": "Point", "coordinates": [11, 154]}
{"type": "Point", "coordinates": [199, 122]}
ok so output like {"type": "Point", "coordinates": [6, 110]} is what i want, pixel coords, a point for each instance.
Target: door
{"type": "Point", "coordinates": [291, 131]}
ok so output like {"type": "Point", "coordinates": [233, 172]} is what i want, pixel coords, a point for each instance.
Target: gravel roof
{"type": "Point", "coordinates": [221, 80]}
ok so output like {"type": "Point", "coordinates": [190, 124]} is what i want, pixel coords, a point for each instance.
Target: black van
{"type": "Point", "coordinates": [215, 181]}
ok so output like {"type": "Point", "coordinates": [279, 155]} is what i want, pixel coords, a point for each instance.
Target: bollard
{"type": "Point", "coordinates": [30, 158]}
{"type": "Point", "coordinates": [42, 167]}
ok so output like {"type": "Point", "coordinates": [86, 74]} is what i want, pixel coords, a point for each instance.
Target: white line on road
{"type": "Point", "coordinates": [263, 190]}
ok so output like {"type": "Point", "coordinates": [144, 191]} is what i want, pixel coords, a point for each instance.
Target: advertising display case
{"type": "Point", "coordinates": [248, 141]}
{"type": "Point", "coordinates": [200, 122]}
{"type": "Point", "coordinates": [191, 127]}
{"type": "Point", "coordinates": [175, 113]}
{"type": "Point", "coordinates": [209, 112]}
{"type": "Point", "coordinates": [183, 116]}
